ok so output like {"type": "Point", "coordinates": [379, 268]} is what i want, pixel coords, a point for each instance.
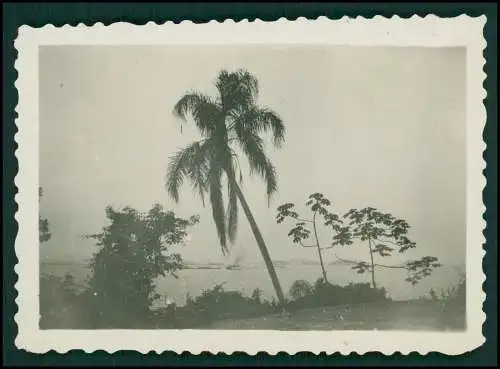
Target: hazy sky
{"type": "Point", "coordinates": [366, 126]}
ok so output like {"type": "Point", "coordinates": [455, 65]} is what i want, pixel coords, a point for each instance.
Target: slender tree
{"type": "Point", "coordinates": [318, 205]}
{"type": "Point", "coordinates": [230, 121]}
{"type": "Point", "coordinates": [382, 234]}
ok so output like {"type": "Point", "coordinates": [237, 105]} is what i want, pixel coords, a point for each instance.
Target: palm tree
{"type": "Point", "coordinates": [228, 122]}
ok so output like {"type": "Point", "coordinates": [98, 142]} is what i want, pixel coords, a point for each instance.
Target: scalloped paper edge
{"type": "Point", "coordinates": [428, 31]}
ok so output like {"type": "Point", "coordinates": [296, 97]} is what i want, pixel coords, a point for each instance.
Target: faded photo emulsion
{"type": "Point", "coordinates": [317, 192]}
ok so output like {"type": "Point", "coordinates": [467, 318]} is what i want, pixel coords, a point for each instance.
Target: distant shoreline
{"type": "Point", "coordinates": [251, 265]}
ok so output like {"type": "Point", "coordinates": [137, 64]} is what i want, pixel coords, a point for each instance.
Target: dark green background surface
{"type": "Point", "coordinates": [37, 15]}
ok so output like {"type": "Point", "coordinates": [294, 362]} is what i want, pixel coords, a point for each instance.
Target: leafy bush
{"type": "Point", "coordinates": [134, 250]}
{"type": "Point", "coordinates": [454, 305]}
{"type": "Point", "coordinates": [257, 295]}
{"type": "Point", "coordinates": [59, 306]}
{"type": "Point", "coordinates": [213, 304]}
{"type": "Point", "coordinates": [327, 294]}
{"type": "Point", "coordinates": [301, 288]}
{"type": "Point", "coordinates": [63, 307]}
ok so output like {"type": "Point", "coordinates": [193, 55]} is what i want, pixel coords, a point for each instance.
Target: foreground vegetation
{"type": "Point", "coordinates": [136, 248]}
{"type": "Point", "coordinates": [446, 312]}
{"type": "Point", "coordinates": [310, 306]}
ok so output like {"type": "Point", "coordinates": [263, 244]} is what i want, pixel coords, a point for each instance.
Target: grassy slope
{"type": "Point", "coordinates": [399, 315]}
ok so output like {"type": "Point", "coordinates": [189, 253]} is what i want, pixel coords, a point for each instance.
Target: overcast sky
{"type": "Point", "coordinates": [366, 126]}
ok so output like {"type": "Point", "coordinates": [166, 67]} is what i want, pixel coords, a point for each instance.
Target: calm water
{"type": "Point", "coordinates": [194, 281]}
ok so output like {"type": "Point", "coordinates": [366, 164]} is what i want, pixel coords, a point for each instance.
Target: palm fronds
{"type": "Point", "coordinates": [205, 112]}
{"type": "Point", "coordinates": [232, 117]}
{"type": "Point", "coordinates": [191, 162]}
{"type": "Point", "coordinates": [256, 120]}
{"type": "Point", "coordinates": [253, 147]}
{"type": "Point", "coordinates": [237, 89]}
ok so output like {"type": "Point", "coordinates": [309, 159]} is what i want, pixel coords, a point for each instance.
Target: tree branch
{"type": "Point", "coordinates": [301, 244]}
{"type": "Point", "coordinates": [391, 266]}
{"type": "Point", "coordinates": [377, 265]}
{"type": "Point", "coordinates": [388, 241]}
{"type": "Point", "coordinates": [304, 220]}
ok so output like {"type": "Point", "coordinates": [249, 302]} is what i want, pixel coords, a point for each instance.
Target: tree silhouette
{"type": "Point", "coordinates": [301, 288]}
{"type": "Point", "coordinates": [318, 206]}
{"type": "Point", "coordinates": [43, 224]}
{"type": "Point", "coordinates": [230, 121]}
{"type": "Point", "coordinates": [383, 234]}
{"type": "Point", "coordinates": [134, 249]}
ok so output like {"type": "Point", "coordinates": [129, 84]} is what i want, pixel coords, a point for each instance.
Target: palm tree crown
{"type": "Point", "coordinates": [230, 121]}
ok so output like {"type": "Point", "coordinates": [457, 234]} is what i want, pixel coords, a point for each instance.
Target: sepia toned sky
{"type": "Point", "coordinates": [366, 126]}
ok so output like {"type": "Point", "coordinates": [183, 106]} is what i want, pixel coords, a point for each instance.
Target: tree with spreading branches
{"type": "Point", "coordinates": [230, 123]}
{"type": "Point", "coordinates": [134, 250]}
{"type": "Point", "coordinates": [382, 233]}
{"type": "Point", "coordinates": [318, 205]}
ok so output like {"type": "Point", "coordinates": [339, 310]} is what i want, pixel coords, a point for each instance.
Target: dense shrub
{"type": "Point", "coordinates": [216, 303]}
{"type": "Point", "coordinates": [134, 250]}
{"type": "Point", "coordinates": [59, 307]}
{"type": "Point", "coordinates": [301, 288]}
{"type": "Point", "coordinates": [63, 307]}
{"type": "Point", "coordinates": [213, 304]}
{"type": "Point", "coordinates": [327, 294]}
{"type": "Point", "coordinates": [453, 305]}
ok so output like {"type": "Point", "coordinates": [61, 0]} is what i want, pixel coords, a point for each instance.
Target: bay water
{"type": "Point", "coordinates": [195, 279]}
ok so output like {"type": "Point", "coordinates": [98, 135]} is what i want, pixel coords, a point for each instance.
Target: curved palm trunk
{"type": "Point", "coordinates": [261, 244]}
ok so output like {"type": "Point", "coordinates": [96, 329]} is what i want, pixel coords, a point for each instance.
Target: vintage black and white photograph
{"type": "Point", "coordinates": [254, 186]}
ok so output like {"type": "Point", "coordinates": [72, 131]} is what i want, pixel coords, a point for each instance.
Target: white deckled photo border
{"type": "Point", "coordinates": [429, 31]}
